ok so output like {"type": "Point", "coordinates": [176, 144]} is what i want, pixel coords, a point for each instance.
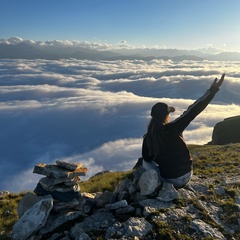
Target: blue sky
{"type": "Point", "coordinates": [171, 23]}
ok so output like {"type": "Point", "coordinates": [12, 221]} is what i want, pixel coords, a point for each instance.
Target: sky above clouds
{"type": "Point", "coordinates": [188, 24]}
{"type": "Point", "coordinates": [96, 112]}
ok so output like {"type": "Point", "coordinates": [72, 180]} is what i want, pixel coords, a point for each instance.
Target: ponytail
{"type": "Point", "coordinates": [155, 137]}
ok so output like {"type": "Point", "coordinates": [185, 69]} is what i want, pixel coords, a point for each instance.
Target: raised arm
{"type": "Point", "coordinates": [198, 106]}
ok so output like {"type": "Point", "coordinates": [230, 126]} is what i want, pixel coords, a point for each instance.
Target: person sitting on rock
{"type": "Point", "coordinates": [164, 148]}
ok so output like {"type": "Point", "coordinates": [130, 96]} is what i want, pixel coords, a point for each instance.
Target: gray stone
{"type": "Point", "coordinates": [213, 212]}
{"type": "Point", "coordinates": [149, 182]}
{"type": "Point", "coordinates": [197, 188]}
{"type": "Point", "coordinates": [58, 206]}
{"type": "Point", "coordinates": [126, 185]}
{"type": "Point", "coordinates": [27, 201]}
{"type": "Point", "coordinates": [116, 205]}
{"type": "Point", "coordinates": [78, 233]}
{"type": "Point", "coordinates": [62, 187]}
{"type": "Point", "coordinates": [56, 171]}
{"type": "Point", "coordinates": [126, 209]}
{"type": "Point", "coordinates": [232, 180]}
{"type": "Point", "coordinates": [206, 229]}
{"type": "Point", "coordinates": [94, 222]}
{"type": "Point", "coordinates": [61, 220]}
{"type": "Point", "coordinates": [167, 193]}
{"type": "Point", "coordinates": [115, 231]}
{"type": "Point", "coordinates": [50, 183]}
{"type": "Point", "coordinates": [192, 211]}
{"type": "Point", "coordinates": [68, 165]}
{"type": "Point", "coordinates": [219, 190]}
{"type": "Point", "coordinates": [32, 220]}
{"type": "Point", "coordinates": [156, 204]}
{"type": "Point", "coordinates": [136, 227]}
{"type": "Point", "coordinates": [176, 214]}
{"type": "Point", "coordinates": [138, 173]}
{"type": "Point", "coordinates": [148, 210]}
{"type": "Point", "coordinates": [104, 199]}
{"type": "Point", "coordinates": [186, 194]}
{"type": "Point", "coordinates": [56, 236]}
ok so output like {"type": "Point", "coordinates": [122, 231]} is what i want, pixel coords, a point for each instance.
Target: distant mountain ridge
{"type": "Point", "coordinates": [17, 48]}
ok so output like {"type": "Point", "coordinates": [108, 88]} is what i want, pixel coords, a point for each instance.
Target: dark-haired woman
{"type": "Point", "coordinates": [163, 145]}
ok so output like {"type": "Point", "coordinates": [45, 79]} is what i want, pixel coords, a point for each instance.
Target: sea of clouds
{"type": "Point", "coordinates": [96, 112]}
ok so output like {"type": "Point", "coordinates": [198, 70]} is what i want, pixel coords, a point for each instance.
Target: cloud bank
{"type": "Point", "coordinates": [96, 112]}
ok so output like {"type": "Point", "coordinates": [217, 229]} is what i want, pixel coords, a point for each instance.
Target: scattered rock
{"type": "Point", "coordinates": [128, 212]}
{"type": "Point", "coordinates": [168, 192]}
{"type": "Point", "coordinates": [136, 227]}
{"type": "Point", "coordinates": [206, 229]}
{"type": "Point", "coordinates": [232, 180]}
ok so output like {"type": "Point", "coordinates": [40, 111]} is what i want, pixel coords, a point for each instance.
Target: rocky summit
{"type": "Point", "coordinates": [226, 131]}
{"type": "Point", "coordinates": [133, 210]}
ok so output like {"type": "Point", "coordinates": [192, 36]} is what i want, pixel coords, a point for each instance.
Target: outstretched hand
{"type": "Point", "coordinates": [217, 83]}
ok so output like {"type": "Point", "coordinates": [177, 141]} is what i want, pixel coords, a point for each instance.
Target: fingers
{"type": "Point", "coordinates": [222, 78]}
{"type": "Point", "coordinates": [217, 83]}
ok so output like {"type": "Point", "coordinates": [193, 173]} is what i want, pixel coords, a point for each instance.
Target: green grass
{"type": "Point", "coordinates": [209, 161]}
{"type": "Point", "coordinates": [104, 182]}
{"type": "Point", "coordinates": [216, 160]}
{"type": "Point", "coordinates": [8, 203]}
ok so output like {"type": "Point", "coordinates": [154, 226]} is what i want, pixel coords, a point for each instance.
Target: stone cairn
{"type": "Point", "coordinates": [61, 180]}
{"type": "Point", "coordinates": [57, 210]}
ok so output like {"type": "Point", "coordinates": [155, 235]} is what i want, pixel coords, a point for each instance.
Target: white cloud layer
{"type": "Point", "coordinates": [96, 113]}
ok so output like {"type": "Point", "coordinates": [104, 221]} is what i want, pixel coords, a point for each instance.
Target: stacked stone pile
{"type": "Point", "coordinates": [131, 211]}
{"type": "Point", "coordinates": [60, 181]}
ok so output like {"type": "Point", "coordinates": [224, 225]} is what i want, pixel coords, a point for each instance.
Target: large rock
{"type": "Point", "coordinates": [227, 131]}
{"type": "Point", "coordinates": [149, 182]}
{"type": "Point", "coordinates": [27, 201]}
{"type": "Point", "coordinates": [32, 220]}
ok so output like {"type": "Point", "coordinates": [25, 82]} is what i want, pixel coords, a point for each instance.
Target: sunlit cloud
{"type": "Point", "coordinates": [96, 112]}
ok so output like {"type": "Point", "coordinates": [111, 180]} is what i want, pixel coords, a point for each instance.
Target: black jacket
{"type": "Point", "coordinates": [174, 159]}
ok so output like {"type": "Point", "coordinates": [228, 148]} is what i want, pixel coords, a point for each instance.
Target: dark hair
{"type": "Point", "coordinates": [155, 136]}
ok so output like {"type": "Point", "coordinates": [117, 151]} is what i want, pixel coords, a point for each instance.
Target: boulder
{"type": "Point", "coordinates": [27, 201]}
{"type": "Point", "coordinates": [32, 220]}
{"type": "Point", "coordinates": [149, 182]}
{"type": "Point", "coordinates": [227, 131]}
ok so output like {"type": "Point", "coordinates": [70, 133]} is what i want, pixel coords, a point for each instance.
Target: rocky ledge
{"type": "Point", "coordinates": [204, 209]}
